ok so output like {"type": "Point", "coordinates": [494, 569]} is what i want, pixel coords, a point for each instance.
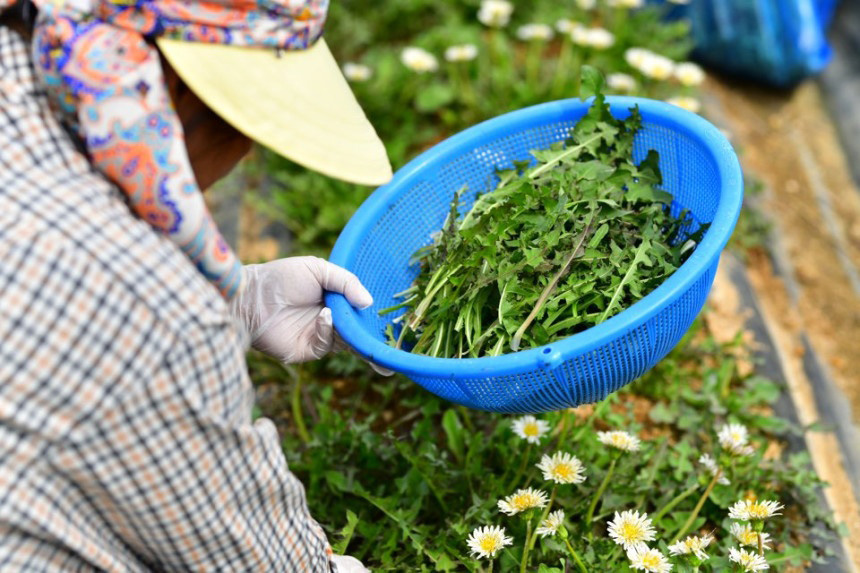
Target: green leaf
{"type": "Point", "coordinates": [591, 82]}
{"type": "Point", "coordinates": [454, 433]}
{"type": "Point", "coordinates": [434, 96]}
{"type": "Point", "coordinates": [346, 533]}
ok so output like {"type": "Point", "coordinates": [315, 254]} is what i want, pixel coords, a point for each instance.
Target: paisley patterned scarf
{"type": "Point", "coordinates": [104, 78]}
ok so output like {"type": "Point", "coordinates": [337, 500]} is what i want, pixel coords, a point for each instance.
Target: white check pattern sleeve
{"type": "Point", "coordinates": [126, 440]}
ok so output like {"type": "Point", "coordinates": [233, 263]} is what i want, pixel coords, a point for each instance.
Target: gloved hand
{"type": "Point", "coordinates": [347, 564]}
{"type": "Point", "coordinates": [282, 308]}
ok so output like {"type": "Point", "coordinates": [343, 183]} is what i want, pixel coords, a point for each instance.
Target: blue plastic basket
{"type": "Point", "coordinates": [699, 168]}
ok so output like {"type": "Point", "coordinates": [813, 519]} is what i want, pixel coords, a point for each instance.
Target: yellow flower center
{"type": "Point", "coordinates": [564, 472]}
{"type": "Point", "coordinates": [631, 532]}
{"type": "Point", "coordinates": [523, 501]}
{"type": "Point", "coordinates": [489, 544]}
{"type": "Point", "coordinates": [531, 430]}
{"type": "Point", "coordinates": [651, 560]}
{"type": "Point", "coordinates": [748, 537]}
{"type": "Point", "coordinates": [758, 511]}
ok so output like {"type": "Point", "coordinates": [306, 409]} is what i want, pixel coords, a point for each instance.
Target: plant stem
{"type": "Point", "coordinates": [296, 406]}
{"type": "Point", "coordinates": [522, 467]}
{"type": "Point", "coordinates": [600, 490]}
{"type": "Point", "coordinates": [533, 54]}
{"type": "Point", "coordinates": [577, 252]}
{"type": "Point", "coordinates": [525, 560]}
{"type": "Point", "coordinates": [561, 68]}
{"type": "Point", "coordinates": [760, 544]}
{"type": "Point", "coordinates": [542, 517]}
{"type": "Point", "coordinates": [490, 570]}
{"type": "Point", "coordinates": [567, 152]}
{"type": "Point", "coordinates": [675, 501]}
{"type": "Point", "coordinates": [696, 509]}
{"type": "Point", "coordinates": [575, 556]}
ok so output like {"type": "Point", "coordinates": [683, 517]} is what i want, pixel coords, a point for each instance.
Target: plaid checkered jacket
{"type": "Point", "coordinates": [126, 441]}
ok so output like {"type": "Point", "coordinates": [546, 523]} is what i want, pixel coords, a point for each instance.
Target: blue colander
{"type": "Point", "coordinates": [699, 168]}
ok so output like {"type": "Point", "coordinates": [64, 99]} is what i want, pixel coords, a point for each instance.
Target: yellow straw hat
{"type": "Point", "coordinates": [295, 102]}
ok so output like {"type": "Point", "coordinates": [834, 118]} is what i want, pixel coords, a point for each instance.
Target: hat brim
{"type": "Point", "coordinates": [296, 102]}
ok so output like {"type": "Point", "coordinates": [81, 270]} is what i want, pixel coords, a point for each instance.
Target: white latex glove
{"type": "Point", "coordinates": [282, 307]}
{"type": "Point", "coordinates": [347, 564]}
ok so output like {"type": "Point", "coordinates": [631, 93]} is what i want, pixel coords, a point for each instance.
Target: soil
{"type": "Point", "coordinates": [787, 140]}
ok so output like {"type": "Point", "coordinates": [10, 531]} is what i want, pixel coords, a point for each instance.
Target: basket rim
{"type": "Point", "coordinates": [345, 317]}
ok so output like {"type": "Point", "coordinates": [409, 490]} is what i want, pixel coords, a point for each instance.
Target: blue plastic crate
{"type": "Point", "coordinates": [699, 168]}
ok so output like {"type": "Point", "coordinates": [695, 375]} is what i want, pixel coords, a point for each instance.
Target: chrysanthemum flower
{"type": "Point", "coordinates": [419, 60]}
{"type": "Point", "coordinates": [551, 524]}
{"type": "Point", "coordinates": [749, 561]}
{"type": "Point", "coordinates": [461, 53]}
{"type": "Point", "coordinates": [694, 545]}
{"type": "Point", "coordinates": [530, 429]}
{"type": "Point", "coordinates": [733, 438]}
{"type": "Point", "coordinates": [487, 541]}
{"type": "Point", "coordinates": [712, 467]}
{"type": "Point", "coordinates": [621, 82]}
{"type": "Point", "coordinates": [745, 535]}
{"type": "Point", "coordinates": [689, 74]}
{"type": "Point", "coordinates": [690, 104]}
{"type": "Point", "coordinates": [657, 67]}
{"type": "Point", "coordinates": [522, 500]}
{"type": "Point", "coordinates": [356, 72]}
{"type": "Point", "coordinates": [641, 557]}
{"type": "Point", "coordinates": [630, 529]}
{"type": "Point", "coordinates": [597, 38]}
{"type": "Point", "coordinates": [562, 468]}
{"type": "Point", "coordinates": [746, 510]}
{"type": "Point", "coordinates": [586, 4]}
{"type": "Point", "coordinates": [495, 13]}
{"type": "Point", "coordinates": [626, 3]}
{"type": "Point", "coordinates": [636, 56]}
{"type": "Point", "coordinates": [565, 26]}
{"type": "Point", "coordinates": [621, 440]}
{"type": "Point", "coordinates": [528, 32]}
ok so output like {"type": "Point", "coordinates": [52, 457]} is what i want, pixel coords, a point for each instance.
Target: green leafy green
{"type": "Point", "coordinates": [557, 247]}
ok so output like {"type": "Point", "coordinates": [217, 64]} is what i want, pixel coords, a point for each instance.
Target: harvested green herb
{"type": "Point", "coordinates": [557, 247]}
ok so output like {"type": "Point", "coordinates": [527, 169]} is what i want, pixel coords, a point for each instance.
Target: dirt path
{"type": "Point", "coordinates": [809, 290]}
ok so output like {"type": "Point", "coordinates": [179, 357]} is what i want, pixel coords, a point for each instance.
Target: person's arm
{"type": "Point", "coordinates": [184, 477]}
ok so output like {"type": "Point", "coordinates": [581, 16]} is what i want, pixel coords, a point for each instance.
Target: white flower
{"type": "Point", "coordinates": [562, 468]}
{"type": "Point", "coordinates": [626, 3]}
{"type": "Point", "coordinates": [597, 38]}
{"type": "Point", "coordinates": [419, 60]}
{"type": "Point", "coordinates": [745, 535]}
{"type": "Point", "coordinates": [734, 437]}
{"type": "Point", "coordinates": [495, 13]}
{"type": "Point", "coordinates": [657, 67]}
{"type": "Point", "coordinates": [636, 56]}
{"type": "Point", "coordinates": [749, 561]}
{"type": "Point", "coordinates": [712, 467]}
{"type": "Point", "coordinates": [522, 500]}
{"type": "Point", "coordinates": [641, 557]}
{"type": "Point", "coordinates": [551, 524]}
{"type": "Point", "coordinates": [461, 53]}
{"type": "Point", "coordinates": [621, 440]}
{"type": "Point", "coordinates": [621, 82]}
{"type": "Point", "coordinates": [528, 32]}
{"type": "Point", "coordinates": [356, 72]}
{"type": "Point", "coordinates": [631, 529]}
{"type": "Point", "coordinates": [695, 106]}
{"type": "Point", "coordinates": [689, 74]}
{"type": "Point", "coordinates": [586, 4]}
{"type": "Point", "coordinates": [679, 1]}
{"type": "Point", "coordinates": [565, 26]}
{"type": "Point", "coordinates": [487, 541]}
{"type": "Point", "coordinates": [530, 429]}
{"type": "Point", "coordinates": [693, 544]}
{"type": "Point", "coordinates": [746, 510]}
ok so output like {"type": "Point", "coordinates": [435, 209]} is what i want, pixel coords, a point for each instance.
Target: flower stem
{"type": "Point", "coordinates": [525, 560]}
{"type": "Point", "coordinates": [575, 556]}
{"type": "Point", "coordinates": [490, 570]}
{"type": "Point", "coordinates": [522, 467]}
{"type": "Point", "coordinates": [533, 58]}
{"type": "Point", "coordinates": [600, 490]}
{"type": "Point", "coordinates": [562, 68]}
{"type": "Point", "coordinates": [760, 544]}
{"type": "Point", "coordinates": [675, 501]}
{"type": "Point", "coordinates": [542, 517]}
{"type": "Point", "coordinates": [296, 406]}
{"type": "Point", "coordinates": [696, 509]}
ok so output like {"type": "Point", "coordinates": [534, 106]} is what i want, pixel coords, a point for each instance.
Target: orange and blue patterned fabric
{"type": "Point", "coordinates": [104, 78]}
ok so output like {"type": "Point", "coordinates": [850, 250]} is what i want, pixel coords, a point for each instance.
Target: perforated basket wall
{"type": "Point", "coordinates": [699, 168]}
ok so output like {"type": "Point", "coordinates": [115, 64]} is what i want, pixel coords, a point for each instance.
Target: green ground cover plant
{"type": "Point", "coordinates": [408, 482]}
